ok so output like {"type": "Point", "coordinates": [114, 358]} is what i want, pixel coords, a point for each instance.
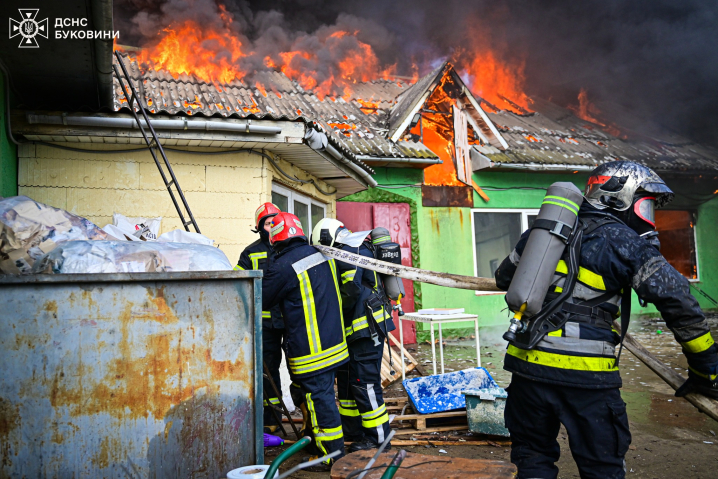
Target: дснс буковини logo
{"type": "Point", "coordinates": [28, 28]}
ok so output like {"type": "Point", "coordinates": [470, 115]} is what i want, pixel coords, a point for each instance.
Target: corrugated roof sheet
{"type": "Point", "coordinates": [361, 125]}
{"type": "Point", "coordinates": [276, 97]}
{"type": "Point", "coordinates": [555, 136]}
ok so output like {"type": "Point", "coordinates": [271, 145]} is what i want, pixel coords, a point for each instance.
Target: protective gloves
{"type": "Point", "coordinates": [700, 385]}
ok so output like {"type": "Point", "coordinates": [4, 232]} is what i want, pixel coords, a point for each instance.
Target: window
{"type": "Point", "coordinates": [496, 232]}
{"type": "Point", "coordinates": [677, 234]}
{"type": "Point", "coordinates": [307, 210]}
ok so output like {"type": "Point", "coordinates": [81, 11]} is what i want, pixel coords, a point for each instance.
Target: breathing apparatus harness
{"type": "Point", "coordinates": [554, 314]}
{"type": "Point", "coordinates": [378, 301]}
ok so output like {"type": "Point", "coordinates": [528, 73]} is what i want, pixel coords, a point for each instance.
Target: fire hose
{"type": "Point", "coordinates": [703, 403]}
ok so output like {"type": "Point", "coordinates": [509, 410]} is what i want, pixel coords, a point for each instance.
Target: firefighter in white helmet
{"type": "Point", "coordinates": [361, 405]}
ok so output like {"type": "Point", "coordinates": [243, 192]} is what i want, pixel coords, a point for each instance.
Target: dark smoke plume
{"type": "Point", "coordinates": [655, 60]}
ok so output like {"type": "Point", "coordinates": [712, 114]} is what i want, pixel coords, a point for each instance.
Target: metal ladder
{"type": "Point", "coordinates": [135, 99]}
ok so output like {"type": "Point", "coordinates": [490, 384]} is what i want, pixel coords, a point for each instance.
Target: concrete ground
{"type": "Point", "coordinates": [671, 439]}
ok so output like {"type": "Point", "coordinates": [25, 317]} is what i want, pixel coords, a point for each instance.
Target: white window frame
{"type": "Point", "coordinates": [698, 257]}
{"type": "Point", "coordinates": [525, 212]}
{"type": "Point", "coordinates": [293, 196]}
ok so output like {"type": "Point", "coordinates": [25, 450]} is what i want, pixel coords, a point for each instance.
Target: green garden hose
{"type": "Point", "coordinates": [394, 465]}
{"type": "Point", "coordinates": [292, 450]}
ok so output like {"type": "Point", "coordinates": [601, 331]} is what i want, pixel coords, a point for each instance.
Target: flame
{"type": "Point", "coordinates": [443, 174]}
{"type": "Point", "coordinates": [587, 111]}
{"type": "Point", "coordinates": [498, 83]}
{"type": "Point", "coordinates": [355, 62]}
{"type": "Point", "coordinates": [261, 89]}
{"type": "Point", "coordinates": [188, 48]}
{"type": "Point", "coordinates": [368, 107]}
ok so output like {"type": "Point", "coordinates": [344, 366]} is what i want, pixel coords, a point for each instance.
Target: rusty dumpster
{"type": "Point", "coordinates": [130, 375]}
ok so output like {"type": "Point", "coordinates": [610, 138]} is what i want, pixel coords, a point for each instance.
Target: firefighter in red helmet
{"type": "Point", "coordinates": [303, 283]}
{"type": "Point", "coordinates": [259, 255]}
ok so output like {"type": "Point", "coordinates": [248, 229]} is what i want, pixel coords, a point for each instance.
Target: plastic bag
{"type": "Point", "coordinates": [181, 236]}
{"type": "Point", "coordinates": [29, 229]}
{"type": "Point", "coordinates": [147, 229]}
{"type": "Point", "coordinates": [131, 257]}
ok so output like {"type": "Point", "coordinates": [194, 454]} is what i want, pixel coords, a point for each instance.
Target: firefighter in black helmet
{"type": "Point", "coordinates": [571, 377]}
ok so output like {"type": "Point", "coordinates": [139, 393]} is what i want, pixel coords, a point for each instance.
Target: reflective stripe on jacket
{"type": "Point", "coordinates": [259, 256]}
{"type": "Point", "coordinates": [613, 257]}
{"type": "Point", "coordinates": [357, 286]}
{"type": "Point", "coordinates": [304, 285]}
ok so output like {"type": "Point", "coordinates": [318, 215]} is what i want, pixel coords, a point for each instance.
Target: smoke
{"type": "Point", "coordinates": [646, 62]}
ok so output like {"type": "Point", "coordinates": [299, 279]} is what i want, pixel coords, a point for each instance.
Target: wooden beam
{"type": "Point", "coordinates": [480, 192]}
{"type": "Point", "coordinates": [412, 274]}
{"type": "Point", "coordinates": [669, 375]}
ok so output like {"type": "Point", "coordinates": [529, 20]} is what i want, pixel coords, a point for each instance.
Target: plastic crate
{"type": "Point", "coordinates": [485, 410]}
{"type": "Point", "coordinates": [442, 392]}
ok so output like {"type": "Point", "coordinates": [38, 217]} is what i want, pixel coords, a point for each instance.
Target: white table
{"type": "Point", "coordinates": [438, 319]}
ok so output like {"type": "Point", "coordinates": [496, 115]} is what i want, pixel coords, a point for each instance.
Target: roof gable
{"type": "Point", "coordinates": [415, 98]}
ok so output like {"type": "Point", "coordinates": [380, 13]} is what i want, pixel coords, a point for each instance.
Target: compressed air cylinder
{"type": "Point", "coordinates": [544, 249]}
{"type": "Point", "coordinates": [386, 250]}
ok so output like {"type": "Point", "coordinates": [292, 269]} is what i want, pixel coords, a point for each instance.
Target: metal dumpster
{"type": "Point", "coordinates": [130, 375]}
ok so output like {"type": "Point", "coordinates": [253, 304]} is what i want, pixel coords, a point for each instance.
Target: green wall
{"type": "Point", "coordinates": [442, 237]}
{"type": "Point", "coordinates": [8, 151]}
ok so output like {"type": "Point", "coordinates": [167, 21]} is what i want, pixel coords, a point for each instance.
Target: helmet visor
{"type": "Point", "coordinates": [645, 209]}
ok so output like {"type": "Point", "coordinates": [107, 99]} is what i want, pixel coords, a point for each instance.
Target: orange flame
{"type": "Point", "coordinates": [497, 82]}
{"type": "Point", "coordinates": [190, 49]}
{"type": "Point", "coordinates": [587, 111]}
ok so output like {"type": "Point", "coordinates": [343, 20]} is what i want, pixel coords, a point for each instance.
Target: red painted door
{"type": "Point", "coordinates": [396, 217]}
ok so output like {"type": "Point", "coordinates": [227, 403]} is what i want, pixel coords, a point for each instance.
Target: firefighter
{"type": "Point", "coordinates": [303, 283]}
{"type": "Point", "coordinates": [259, 255]}
{"type": "Point", "coordinates": [571, 377]}
{"type": "Point", "coordinates": [364, 417]}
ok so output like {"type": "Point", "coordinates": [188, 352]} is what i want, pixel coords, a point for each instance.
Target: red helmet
{"type": "Point", "coordinates": [265, 211]}
{"type": "Point", "coordinates": [285, 226]}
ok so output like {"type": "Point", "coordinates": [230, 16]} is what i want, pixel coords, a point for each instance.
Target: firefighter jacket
{"type": "Point", "coordinates": [303, 283]}
{"type": "Point", "coordinates": [259, 255]}
{"type": "Point", "coordinates": [613, 257]}
{"type": "Point", "coordinates": [361, 292]}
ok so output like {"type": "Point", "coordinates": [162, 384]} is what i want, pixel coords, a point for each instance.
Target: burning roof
{"type": "Point", "coordinates": [372, 118]}
{"type": "Point", "coordinates": [356, 125]}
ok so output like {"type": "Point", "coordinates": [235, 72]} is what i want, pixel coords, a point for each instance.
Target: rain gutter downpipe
{"type": "Point", "coordinates": [184, 124]}
{"type": "Point", "coordinates": [319, 142]}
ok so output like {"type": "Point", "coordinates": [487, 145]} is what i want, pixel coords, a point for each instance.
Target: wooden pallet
{"type": "Point", "coordinates": [411, 423]}
{"type": "Point", "coordinates": [386, 377]}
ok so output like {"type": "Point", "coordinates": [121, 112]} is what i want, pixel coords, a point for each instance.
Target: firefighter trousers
{"type": "Point", "coordinates": [361, 401]}
{"type": "Point", "coordinates": [595, 420]}
{"type": "Point", "coordinates": [272, 355]}
{"type": "Point", "coordinates": [315, 395]}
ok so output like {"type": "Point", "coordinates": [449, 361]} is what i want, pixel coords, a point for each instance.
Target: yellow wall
{"type": "Point", "coordinates": [223, 191]}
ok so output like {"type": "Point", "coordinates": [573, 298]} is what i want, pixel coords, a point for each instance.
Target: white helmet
{"type": "Point", "coordinates": [325, 231]}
